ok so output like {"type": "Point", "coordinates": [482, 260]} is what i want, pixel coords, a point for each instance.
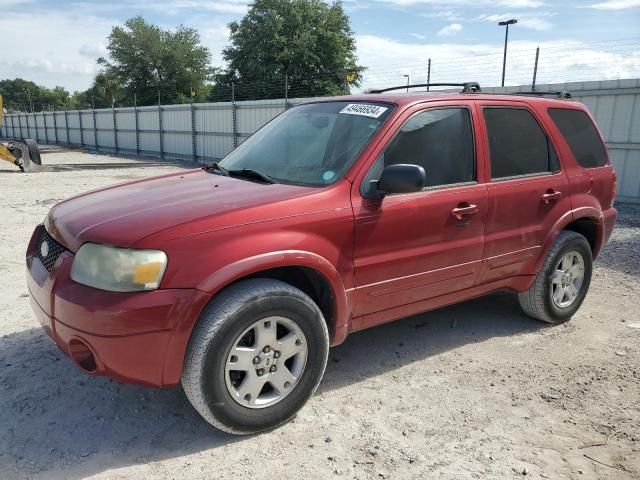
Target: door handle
{"type": "Point", "coordinates": [551, 196]}
{"type": "Point", "coordinates": [463, 210]}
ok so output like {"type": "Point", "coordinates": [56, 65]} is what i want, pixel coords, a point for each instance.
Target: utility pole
{"type": "Point", "coordinates": [535, 70]}
{"type": "Point", "coordinates": [234, 120]}
{"type": "Point", "coordinates": [160, 128]}
{"type": "Point", "coordinates": [135, 119]}
{"type": "Point", "coordinates": [428, 74]}
{"type": "Point", "coordinates": [506, 23]}
{"type": "Point", "coordinates": [407, 77]}
{"type": "Point", "coordinates": [286, 91]}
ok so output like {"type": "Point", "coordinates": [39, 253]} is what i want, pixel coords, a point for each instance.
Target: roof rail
{"type": "Point", "coordinates": [467, 87]}
{"type": "Point", "coordinates": [560, 94]}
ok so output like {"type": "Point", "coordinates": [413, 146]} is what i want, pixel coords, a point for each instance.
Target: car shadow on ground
{"type": "Point", "coordinates": [56, 421]}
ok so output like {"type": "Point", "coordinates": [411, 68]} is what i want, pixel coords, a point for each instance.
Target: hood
{"type": "Point", "coordinates": [124, 214]}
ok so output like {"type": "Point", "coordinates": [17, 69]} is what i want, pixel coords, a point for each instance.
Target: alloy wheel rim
{"type": "Point", "coordinates": [567, 279]}
{"type": "Point", "coordinates": [266, 362]}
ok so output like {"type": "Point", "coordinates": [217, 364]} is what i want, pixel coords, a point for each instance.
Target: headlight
{"type": "Point", "coordinates": [118, 269]}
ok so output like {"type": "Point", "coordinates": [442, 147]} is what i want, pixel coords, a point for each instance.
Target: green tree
{"type": "Point", "coordinates": [81, 100]}
{"type": "Point", "coordinates": [59, 98]}
{"type": "Point", "coordinates": [26, 96]}
{"type": "Point", "coordinates": [106, 90]}
{"type": "Point", "coordinates": [309, 41]}
{"type": "Point", "coordinates": [148, 59]}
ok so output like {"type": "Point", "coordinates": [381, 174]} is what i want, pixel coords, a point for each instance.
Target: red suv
{"type": "Point", "coordinates": [338, 215]}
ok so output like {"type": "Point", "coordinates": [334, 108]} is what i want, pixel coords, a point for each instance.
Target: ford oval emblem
{"type": "Point", "coordinates": [44, 249]}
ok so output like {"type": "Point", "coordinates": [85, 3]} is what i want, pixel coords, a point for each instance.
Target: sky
{"type": "Point", "coordinates": [57, 42]}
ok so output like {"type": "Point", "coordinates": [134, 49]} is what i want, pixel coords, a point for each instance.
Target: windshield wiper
{"type": "Point", "coordinates": [249, 173]}
{"type": "Point", "coordinates": [217, 169]}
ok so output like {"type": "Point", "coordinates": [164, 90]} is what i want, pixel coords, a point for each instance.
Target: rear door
{"type": "Point", "coordinates": [528, 192]}
{"type": "Point", "coordinates": [411, 247]}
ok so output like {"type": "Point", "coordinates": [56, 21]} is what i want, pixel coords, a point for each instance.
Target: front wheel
{"type": "Point", "coordinates": [563, 281]}
{"type": "Point", "coordinates": [256, 356]}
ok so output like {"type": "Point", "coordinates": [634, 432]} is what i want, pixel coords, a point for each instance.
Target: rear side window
{"type": "Point", "coordinates": [439, 140]}
{"type": "Point", "coordinates": [581, 135]}
{"type": "Point", "coordinates": [517, 143]}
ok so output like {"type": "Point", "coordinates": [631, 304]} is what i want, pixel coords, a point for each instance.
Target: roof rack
{"type": "Point", "coordinates": [560, 94]}
{"type": "Point", "coordinates": [467, 87]}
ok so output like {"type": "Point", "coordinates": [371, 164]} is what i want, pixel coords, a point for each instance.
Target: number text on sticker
{"type": "Point", "coordinates": [366, 110]}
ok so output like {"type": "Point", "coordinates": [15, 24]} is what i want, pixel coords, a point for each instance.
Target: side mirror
{"type": "Point", "coordinates": [401, 178]}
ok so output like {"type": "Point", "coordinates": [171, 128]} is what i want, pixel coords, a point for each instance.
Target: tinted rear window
{"type": "Point", "coordinates": [581, 135]}
{"type": "Point", "coordinates": [517, 144]}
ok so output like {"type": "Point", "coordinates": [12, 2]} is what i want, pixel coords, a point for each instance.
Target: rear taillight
{"type": "Point", "coordinates": [614, 188]}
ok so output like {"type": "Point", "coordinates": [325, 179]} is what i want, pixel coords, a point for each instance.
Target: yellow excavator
{"type": "Point", "coordinates": [23, 154]}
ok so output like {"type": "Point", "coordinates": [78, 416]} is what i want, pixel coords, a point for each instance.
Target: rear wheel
{"type": "Point", "coordinates": [256, 356]}
{"type": "Point", "coordinates": [563, 281]}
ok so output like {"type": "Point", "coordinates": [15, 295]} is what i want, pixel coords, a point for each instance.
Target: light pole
{"type": "Point", "coordinates": [28, 92]}
{"type": "Point", "coordinates": [407, 77]}
{"type": "Point", "coordinates": [506, 23]}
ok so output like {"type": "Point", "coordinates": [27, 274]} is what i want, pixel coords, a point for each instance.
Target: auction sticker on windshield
{"type": "Point", "coordinates": [373, 111]}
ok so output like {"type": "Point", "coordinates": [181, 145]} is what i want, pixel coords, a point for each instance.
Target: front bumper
{"type": "Point", "coordinates": [130, 337]}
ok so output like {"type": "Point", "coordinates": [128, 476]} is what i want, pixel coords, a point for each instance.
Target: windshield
{"type": "Point", "coordinates": [312, 144]}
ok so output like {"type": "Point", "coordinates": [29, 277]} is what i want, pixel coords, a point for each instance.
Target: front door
{"type": "Point", "coordinates": [412, 247]}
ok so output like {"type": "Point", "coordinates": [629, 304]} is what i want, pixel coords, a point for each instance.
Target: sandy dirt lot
{"type": "Point", "coordinates": [476, 390]}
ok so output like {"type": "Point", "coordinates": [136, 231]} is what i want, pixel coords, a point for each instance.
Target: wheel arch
{"type": "Point", "coordinates": [590, 229]}
{"type": "Point", "coordinates": [586, 221]}
{"type": "Point", "coordinates": [307, 271]}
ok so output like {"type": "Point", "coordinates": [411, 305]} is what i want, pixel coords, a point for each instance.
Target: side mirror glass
{"type": "Point", "coordinates": [401, 178]}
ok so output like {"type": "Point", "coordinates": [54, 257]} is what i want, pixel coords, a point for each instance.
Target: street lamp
{"type": "Point", "coordinates": [506, 23]}
{"type": "Point", "coordinates": [407, 77]}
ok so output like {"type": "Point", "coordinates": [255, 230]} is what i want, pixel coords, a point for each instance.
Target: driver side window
{"type": "Point", "coordinates": [440, 140]}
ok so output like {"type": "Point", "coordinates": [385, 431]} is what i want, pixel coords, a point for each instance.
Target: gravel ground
{"type": "Point", "coordinates": [476, 390]}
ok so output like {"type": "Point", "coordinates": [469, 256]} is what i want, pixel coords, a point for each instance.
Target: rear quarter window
{"type": "Point", "coordinates": [581, 135]}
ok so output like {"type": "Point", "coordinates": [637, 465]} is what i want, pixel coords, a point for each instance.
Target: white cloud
{"type": "Point", "coordinates": [13, 3]}
{"type": "Point", "coordinates": [537, 22]}
{"type": "Point", "coordinates": [419, 36]}
{"type": "Point", "coordinates": [61, 47]}
{"type": "Point", "coordinates": [560, 61]}
{"type": "Point", "coordinates": [450, 15]}
{"type": "Point", "coordinates": [164, 7]}
{"type": "Point", "coordinates": [450, 30]}
{"type": "Point", "coordinates": [55, 49]}
{"type": "Point", "coordinates": [465, 3]}
{"type": "Point", "coordinates": [351, 6]}
{"type": "Point", "coordinates": [175, 6]}
{"type": "Point", "coordinates": [93, 50]}
{"type": "Point", "coordinates": [616, 4]}
{"type": "Point", "coordinates": [520, 4]}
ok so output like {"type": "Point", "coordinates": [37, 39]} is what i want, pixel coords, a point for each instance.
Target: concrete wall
{"type": "Point", "coordinates": [208, 131]}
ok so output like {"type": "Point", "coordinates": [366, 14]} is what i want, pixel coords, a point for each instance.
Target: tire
{"type": "Point", "coordinates": [226, 326]}
{"type": "Point", "coordinates": [544, 301]}
{"type": "Point", "coordinates": [34, 152]}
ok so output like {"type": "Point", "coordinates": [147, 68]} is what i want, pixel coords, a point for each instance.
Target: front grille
{"type": "Point", "coordinates": [53, 250]}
